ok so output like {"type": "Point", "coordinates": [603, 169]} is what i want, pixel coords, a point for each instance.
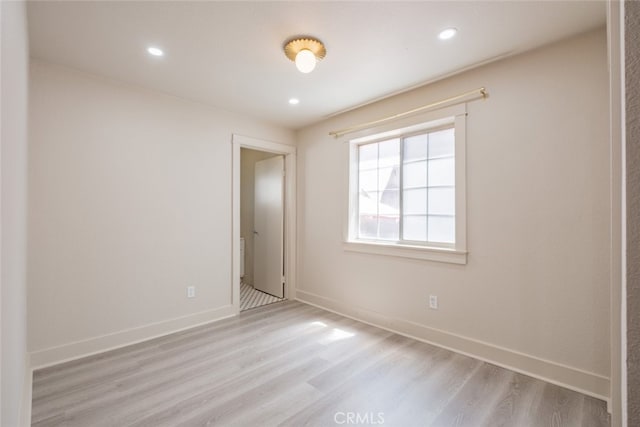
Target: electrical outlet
{"type": "Point", "coordinates": [191, 291]}
{"type": "Point", "coordinates": [433, 302]}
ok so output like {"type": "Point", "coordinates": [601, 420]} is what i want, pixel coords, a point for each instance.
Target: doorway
{"type": "Point", "coordinates": [261, 228]}
{"type": "Point", "coordinates": [263, 232]}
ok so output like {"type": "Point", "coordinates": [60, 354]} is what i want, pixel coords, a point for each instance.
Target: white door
{"type": "Point", "coordinates": [268, 230]}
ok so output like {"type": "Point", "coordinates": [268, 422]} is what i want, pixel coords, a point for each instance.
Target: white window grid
{"type": "Point", "coordinates": [402, 188]}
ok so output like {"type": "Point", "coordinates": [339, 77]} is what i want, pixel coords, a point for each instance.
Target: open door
{"type": "Point", "coordinates": [268, 230]}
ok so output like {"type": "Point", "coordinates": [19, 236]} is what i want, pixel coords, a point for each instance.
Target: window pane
{"type": "Point", "coordinates": [389, 227]}
{"type": "Point", "coordinates": [415, 148]}
{"type": "Point", "coordinates": [442, 201]}
{"type": "Point", "coordinates": [441, 143]}
{"type": "Point", "coordinates": [415, 201]}
{"type": "Point", "coordinates": [388, 178]}
{"type": "Point", "coordinates": [442, 172]}
{"type": "Point", "coordinates": [368, 227]}
{"type": "Point", "coordinates": [442, 229]}
{"type": "Point", "coordinates": [415, 174]}
{"type": "Point", "coordinates": [368, 156]}
{"type": "Point", "coordinates": [368, 203]}
{"type": "Point", "coordinates": [389, 153]}
{"type": "Point", "coordinates": [415, 228]}
{"type": "Point", "coordinates": [368, 180]}
{"type": "Point", "coordinates": [389, 202]}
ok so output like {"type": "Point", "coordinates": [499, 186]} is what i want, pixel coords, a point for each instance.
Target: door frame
{"type": "Point", "coordinates": [289, 153]}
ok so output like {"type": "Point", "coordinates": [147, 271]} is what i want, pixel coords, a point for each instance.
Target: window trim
{"type": "Point", "coordinates": [452, 253]}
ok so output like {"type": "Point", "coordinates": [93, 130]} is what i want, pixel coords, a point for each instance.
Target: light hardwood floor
{"type": "Point", "coordinates": [292, 364]}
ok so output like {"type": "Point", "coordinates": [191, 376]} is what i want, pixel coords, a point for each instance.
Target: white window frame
{"type": "Point", "coordinates": [451, 253]}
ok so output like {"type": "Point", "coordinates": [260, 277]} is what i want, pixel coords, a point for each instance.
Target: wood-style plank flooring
{"type": "Point", "coordinates": [291, 364]}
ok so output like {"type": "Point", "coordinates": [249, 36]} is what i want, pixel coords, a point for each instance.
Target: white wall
{"type": "Point", "coordinates": [535, 292]}
{"type": "Point", "coordinates": [14, 57]}
{"type": "Point", "coordinates": [248, 159]}
{"type": "Point", "coordinates": [130, 202]}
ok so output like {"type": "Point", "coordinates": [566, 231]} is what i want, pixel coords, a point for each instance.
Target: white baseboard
{"type": "Point", "coordinates": [565, 376]}
{"type": "Point", "coordinates": [79, 349]}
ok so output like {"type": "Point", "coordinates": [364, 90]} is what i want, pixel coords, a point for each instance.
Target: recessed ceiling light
{"type": "Point", "coordinates": [447, 34]}
{"type": "Point", "coordinates": [155, 51]}
{"type": "Point", "coordinates": [294, 101]}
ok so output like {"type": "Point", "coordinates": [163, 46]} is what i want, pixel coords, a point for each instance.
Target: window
{"type": "Point", "coordinates": [407, 191]}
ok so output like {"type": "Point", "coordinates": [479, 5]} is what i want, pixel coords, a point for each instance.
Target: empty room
{"type": "Point", "coordinates": [300, 213]}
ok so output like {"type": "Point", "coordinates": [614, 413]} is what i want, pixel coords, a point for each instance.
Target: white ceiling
{"type": "Point", "coordinates": [229, 54]}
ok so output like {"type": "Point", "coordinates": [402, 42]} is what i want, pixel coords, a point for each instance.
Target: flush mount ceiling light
{"type": "Point", "coordinates": [305, 52]}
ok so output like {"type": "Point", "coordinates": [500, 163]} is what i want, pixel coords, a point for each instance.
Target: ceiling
{"type": "Point", "coordinates": [229, 54]}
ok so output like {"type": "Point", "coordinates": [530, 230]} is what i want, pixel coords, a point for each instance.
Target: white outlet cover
{"type": "Point", "coordinates": [191, 291]}
{"type": "Point", "coordinates": [433, 302]}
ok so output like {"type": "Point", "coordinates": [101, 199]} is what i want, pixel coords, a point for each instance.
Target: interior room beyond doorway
{"type": "Point", "coordinates": [253, 256]}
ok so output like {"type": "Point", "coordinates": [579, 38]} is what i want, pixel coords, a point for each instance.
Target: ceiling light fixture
{"type": "Point", "coordinates": [447, 33]}
{"type": "Point", "coordinates": [294, 101]}
{"type": "Point", "coordinates": [305, 52]}
{"type": "Point", "coordinates": [155, 51]}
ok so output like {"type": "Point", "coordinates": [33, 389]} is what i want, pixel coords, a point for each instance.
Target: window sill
{"type": "Point", "coordinates": [427, 253]}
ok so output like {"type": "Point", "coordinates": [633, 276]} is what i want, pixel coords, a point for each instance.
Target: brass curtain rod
{"type": "Point", "coordinates": [458, 99]}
